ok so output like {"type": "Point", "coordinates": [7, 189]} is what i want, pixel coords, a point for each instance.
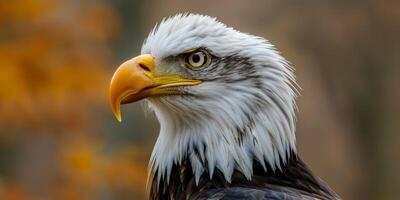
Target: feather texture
{"type": "Point", "coordinates": [295, 181]}
{"type": "Point", "coordinates": [233, 135]}
{"type": "Point", "coordinates": [244, 108]}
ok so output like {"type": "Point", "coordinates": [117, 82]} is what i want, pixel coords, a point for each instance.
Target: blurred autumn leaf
{"type": "Point", "coordinates": [56, 60]}
{"type": "Point", "coordinates": [85, 168]}
{"type": "Point", "coordinates": [54, 73]}
{"type": "Point", "coordinates": [52, 63]}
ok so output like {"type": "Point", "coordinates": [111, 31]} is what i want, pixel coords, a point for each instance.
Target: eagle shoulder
{"type": "Point", "coordinates": [293, 182]}
{"type": "Point", "coordinates": [265, 193]}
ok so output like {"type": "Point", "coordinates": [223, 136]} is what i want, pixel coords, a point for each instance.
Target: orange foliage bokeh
{"type": "Point", "coordinates": [58, 138]}
{"type": "Point", "coordinates": [54, 70]}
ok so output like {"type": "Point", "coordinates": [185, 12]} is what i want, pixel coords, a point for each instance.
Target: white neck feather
{"type": "Point", "coordinates": [221, 134]}
{"type": "Point", "coordinates": [225, 124]}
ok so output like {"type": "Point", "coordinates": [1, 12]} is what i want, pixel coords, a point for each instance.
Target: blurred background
{"type": "Point", "coordinates": [58, 137]}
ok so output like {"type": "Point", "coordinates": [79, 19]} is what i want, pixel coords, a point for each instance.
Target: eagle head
{"type": "Point", "coordinates": [223, 98]}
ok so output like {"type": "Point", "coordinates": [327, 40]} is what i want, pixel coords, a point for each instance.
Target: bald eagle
{"type": "Point", "coordinates": [225, 101]}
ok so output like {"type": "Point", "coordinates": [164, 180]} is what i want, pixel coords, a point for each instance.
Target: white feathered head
{"type": "Point", "coordinates": [223, 98]}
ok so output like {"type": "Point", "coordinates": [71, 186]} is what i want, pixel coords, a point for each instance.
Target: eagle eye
{"type": "Point", "coordinates": [197, 59]}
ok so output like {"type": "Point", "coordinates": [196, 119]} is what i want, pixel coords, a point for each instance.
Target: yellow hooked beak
{"type": "Point", "coordinates": [135, 80]}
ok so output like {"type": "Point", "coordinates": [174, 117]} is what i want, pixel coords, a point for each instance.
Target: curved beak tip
{"type": "Point", "coordinates": [115, 107]}
{"type": "Point", "coordinates": [129, 78]}
{"type": "Point", "coordinates": [118, 117]}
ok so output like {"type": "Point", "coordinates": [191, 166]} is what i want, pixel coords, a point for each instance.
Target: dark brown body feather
{"type": "Point", "coordinates": [294, 181]}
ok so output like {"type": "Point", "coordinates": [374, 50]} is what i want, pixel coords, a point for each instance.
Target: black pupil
{"type": "Point", "coordinates": [195, 58]}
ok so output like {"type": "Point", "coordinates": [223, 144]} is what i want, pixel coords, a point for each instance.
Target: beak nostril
{"type": "Point", "coordinates": [144, 67]}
